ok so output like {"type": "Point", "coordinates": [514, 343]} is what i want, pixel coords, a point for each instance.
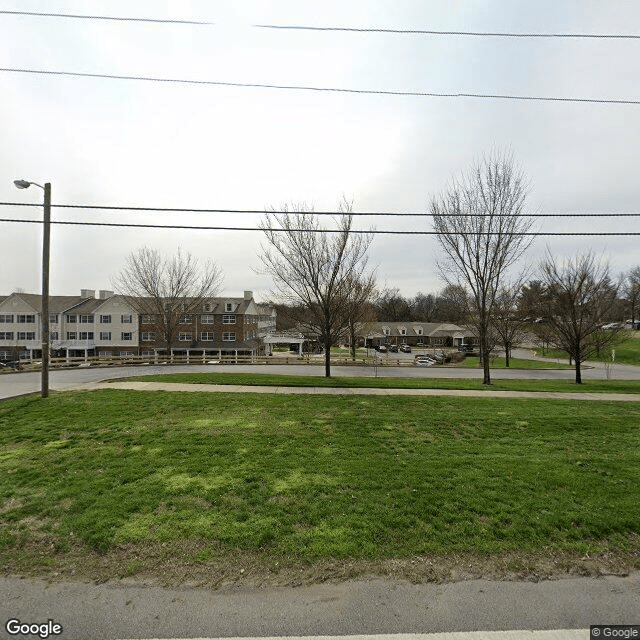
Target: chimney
{"type": "Point", "coordinates": [104, 294]}
{"type": "Point", "coordinates": [88, 293]}
{"type": "Point", "coordinates": [248, 295]}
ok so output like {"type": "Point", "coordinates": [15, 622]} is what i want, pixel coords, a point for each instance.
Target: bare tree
{"type": "Point", "coordinates": [163, 289]}
{"type": "Point", "coordinates": [580, 298]}
{"type": "Point", "coordinates": [632, 294]}
{"type": "Point", "coordinates": [453, 304]}
{"type": "Point", "coordinates": [482, 229]}
{"type": "Point", "coordinates": [424, 307]}
{"type": "Point", "coordinates": [314, 268]}
{"type": "Point", "coordinates": [507, 321]}
{"type": "Point", "coordinates": [392, 306]}
{"type": "Point", "coordinates": [357, 309]}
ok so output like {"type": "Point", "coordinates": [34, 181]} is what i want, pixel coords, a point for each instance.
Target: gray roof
{"type": "Point", "coordinates": [435, 329]}
{"type": "Point", "coordinates": [217, 304]}
{"type": "Point", "coordinates": [57, 304]}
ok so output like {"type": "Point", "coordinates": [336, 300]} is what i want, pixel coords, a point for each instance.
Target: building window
{"type": "Point", "coordinates": [207, 336]}
{"type": "Point", "coordinates": [71, 335]}
{"type": "Point", "coordinates": [105, 335]}
{"type": "Point", "coordinates": [6, 335]}
{"type": "Point", "coordinates": [53, 335]}
{"type": "Point", "coordinates": [72, 318]}
{"type": "Point", "coordinates": [208, 307]}
{"type": "Point", "coordinates": [403, 331]}
{"type": "Point", "coordinates": [85, 335]}
{"type": "Point", "coordinates": [419, 331]}
{"type": "Point", "coordinates": [5, 355]}
{"type": "Point", "coordinates": [228, 306]}
{"type": "Point", "coordinates": [186, 319]}
{"type": "Point", "coordinates": [6, 317]}
{"type": "Point", "coordinates": [386, 331]}
{"type": "Point", "coordinates": [229, 337]}
{"type": "Point", "coordinates": [126, 319]}
{"type": "Point", "coordinates": [207, 319]}
{"type": "Point", "coordinates": [228, 319]}
{"type": "Point", "coordinates": [105, 319]}
{"type": "Point", "coordinates": [104, 354]}
{"type": "Point", "coordinates": [147, 318]}
{"type": "Point", "coordinates": [185, 337]}
{"type": "Point", "coordinates": [148, 336]}
{"type": "Point", "coordinates": [26, 335]}
{"type": "Point", "coordinates": [126, 335]}
{"type": "Point", "coordinates": [25, 319]}
{"type": "Point", "coordinates": [124, 354]}
{"type": "Point", "coordinates": [86, 319]}
{"type": "Point", "coordinates": [53, 318]}
{"type": "Point", "coordinates": [146, 354]}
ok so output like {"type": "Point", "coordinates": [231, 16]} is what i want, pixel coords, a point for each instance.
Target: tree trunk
{"type": "Point", "coordinates": [352, 336]}
{"type": "Point", "coordinates": [327, 356]}
{"type": "Point", "coordinates": [507, 354]}
{"type": "Point", "coordinates": [484, 354]}
{"type": "Point", "coordinates": [578, 372]}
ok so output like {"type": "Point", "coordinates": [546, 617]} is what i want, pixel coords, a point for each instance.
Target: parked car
{"type": "Point", "coordinates": [393, 348]}
{"type": "Point", "coordinates": [405, 348]}
{"type": "Point", "coordinates": [465, 347]}
{"type": "Point", "coordinates": [381, 348]}
{"type": "Point", "coordinates": [423, 361]}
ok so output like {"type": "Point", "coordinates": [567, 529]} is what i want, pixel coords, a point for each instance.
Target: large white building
{"type": "Point", "coordinates": [107, 325]}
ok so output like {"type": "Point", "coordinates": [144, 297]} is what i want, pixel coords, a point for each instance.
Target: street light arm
{"type": "Point", "coordinates": [25, 184]}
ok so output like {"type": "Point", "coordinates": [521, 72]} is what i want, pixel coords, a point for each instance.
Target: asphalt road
{"type": "Point", "coordinates": [13, 384]}
{"type": "Point", "coordinates": [90, 611]}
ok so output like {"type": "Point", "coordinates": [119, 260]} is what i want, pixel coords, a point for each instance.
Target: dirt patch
{"type": "Point", "coordinates": [204, 564]}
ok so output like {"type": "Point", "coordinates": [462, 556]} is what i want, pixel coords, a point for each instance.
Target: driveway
{"type": "Point", "coordinates": [14, 384]}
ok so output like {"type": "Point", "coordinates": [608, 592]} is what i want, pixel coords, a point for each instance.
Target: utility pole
{"type": "Point", "coordinates": [44, 308]}
{"type": "Point", "coordinates": [46, 231]}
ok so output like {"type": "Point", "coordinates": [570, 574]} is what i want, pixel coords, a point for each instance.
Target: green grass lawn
{"type": "Point", "coordinates": [274, 380]}
{"type": "Point", "coordinates": [627, 352]}
{"type": "Point", "coordinates": [473, 362]}
{"type": "Point", "coordinates": [335, 477]}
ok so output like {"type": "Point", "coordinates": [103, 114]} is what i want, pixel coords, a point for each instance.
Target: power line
{"type": "Point", "coordinates": [113, 18]}
{"type": "Point", "coordinates": [428, 32]}
{"type": "Point", "coordinates": [354, 231]}
{"type": "Point", "coordinates": [315, 213]}
{"type": "Point", "coordinates": [253, 85]}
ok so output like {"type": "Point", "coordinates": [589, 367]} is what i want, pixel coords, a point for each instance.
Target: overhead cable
{"type": "Point", "coordinates": [294, 27]}
{"type": "Point", "coordinates": [431, 32]}
{"type": "Point", "coordinates": [253, 85]}
{"type": "Point", "coordinates": [314, 213]}
{"type": "Point", "coordinates": [301, 230]}
{"type": "Point", "coordinates": [94, 17]}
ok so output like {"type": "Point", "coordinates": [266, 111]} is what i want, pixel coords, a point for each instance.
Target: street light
{"type": "Point", "coordinates": [25, 184]}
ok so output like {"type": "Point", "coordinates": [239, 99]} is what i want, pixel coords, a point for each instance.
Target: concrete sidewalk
{"type": "Point", "coordinates": [349, 391]}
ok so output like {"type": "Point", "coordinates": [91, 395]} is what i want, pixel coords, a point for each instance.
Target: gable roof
{"type": "Point", "coordinates": [429, 329]}
{"type": "Point", "coordinates": [57, 304]}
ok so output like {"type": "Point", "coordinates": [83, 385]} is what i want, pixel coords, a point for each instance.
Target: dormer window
{"type": "Point", "coordinates": [229, 306]}
{"type": "Point", "coordinates": [386, 331]}
{"type": "Point", "coordinates": [403, 331]}
{"type": "Point", "coordinates": [419, 330]}
{"type": "Point", "coordinates": [208, 307]}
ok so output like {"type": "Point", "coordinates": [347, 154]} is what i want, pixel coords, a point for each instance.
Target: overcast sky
{"type": "Point", "coordinates": [117, 142]}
